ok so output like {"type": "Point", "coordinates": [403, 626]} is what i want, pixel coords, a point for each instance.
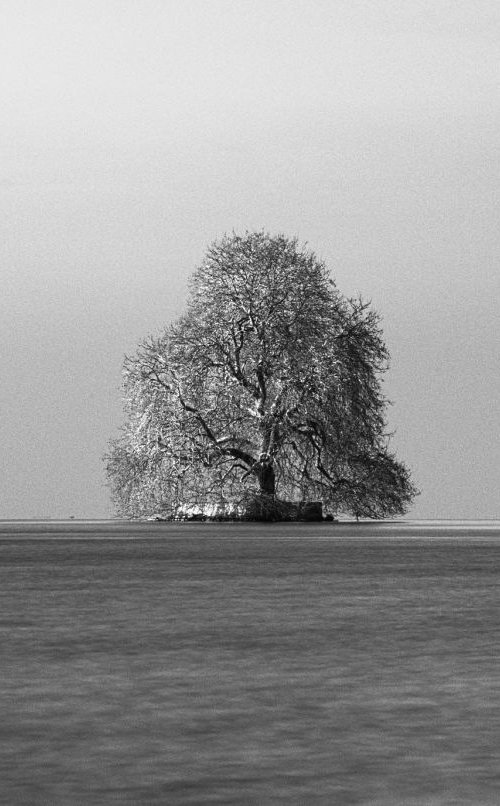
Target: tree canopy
{"type": "Point", "coordinates": [269, 383]}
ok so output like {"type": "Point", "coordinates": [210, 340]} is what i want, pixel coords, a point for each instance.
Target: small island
{"type": "Point", "coordinates": [255, 508]}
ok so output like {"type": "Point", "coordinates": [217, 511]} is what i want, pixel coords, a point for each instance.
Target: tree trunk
{"type": "Point", "coordinates": [267, 481]}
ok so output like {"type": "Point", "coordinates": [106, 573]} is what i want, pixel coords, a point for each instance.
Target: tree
{"type": "Point", "coordinates": [269, 384]}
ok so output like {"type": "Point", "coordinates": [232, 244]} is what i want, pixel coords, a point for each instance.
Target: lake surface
{"type": "Point", "coordinates": [149, 663]}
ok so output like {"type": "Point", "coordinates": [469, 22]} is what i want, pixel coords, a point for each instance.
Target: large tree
{"type": "Point", "coordinates": [269, 384]}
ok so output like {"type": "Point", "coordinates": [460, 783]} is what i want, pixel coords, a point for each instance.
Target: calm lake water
{"type": "Point", "coordinates": [249, 664]}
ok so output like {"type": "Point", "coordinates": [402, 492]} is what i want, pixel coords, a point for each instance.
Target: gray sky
{"type": "Point", "coordinates": [133, 133]}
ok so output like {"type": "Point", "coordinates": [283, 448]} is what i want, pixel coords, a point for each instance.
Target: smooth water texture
{"type": "Point", "coordinates": [249, 664]}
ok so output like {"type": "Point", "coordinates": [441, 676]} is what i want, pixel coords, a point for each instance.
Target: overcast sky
{"type": "Point", "coordinates": [135, 132]}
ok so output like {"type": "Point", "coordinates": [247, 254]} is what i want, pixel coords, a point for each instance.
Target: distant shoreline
{"type": "Point", "coordinates": [337, 522]}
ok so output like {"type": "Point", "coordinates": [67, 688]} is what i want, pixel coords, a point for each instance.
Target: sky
{"type": "Point", "coordinates": [135, 132]}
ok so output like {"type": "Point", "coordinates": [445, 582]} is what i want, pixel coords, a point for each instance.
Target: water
{"type": "Point", "coordinates": [249, 664]}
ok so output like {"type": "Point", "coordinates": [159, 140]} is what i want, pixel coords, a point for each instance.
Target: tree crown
{"type": "Point", "coordinates": [270, 380]}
